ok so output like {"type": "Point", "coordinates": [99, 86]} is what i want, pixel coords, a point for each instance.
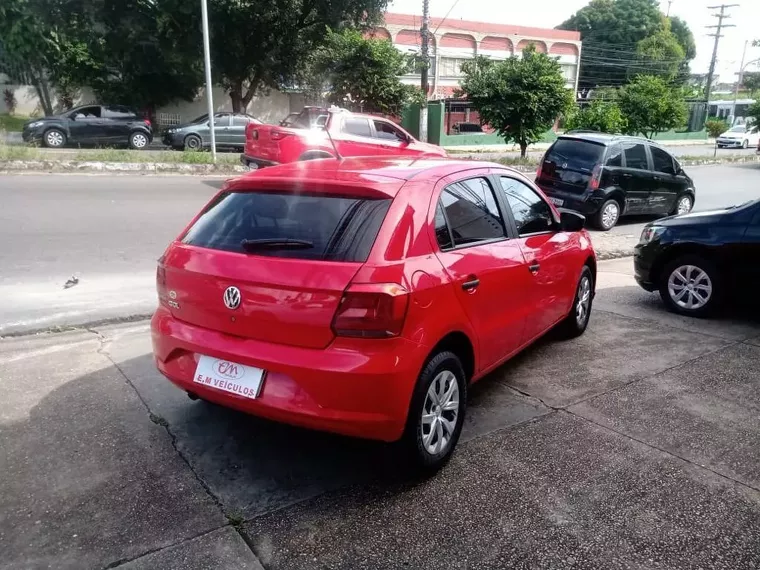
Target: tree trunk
{"type": "Point", "coordinates": [40, 87]}
{"type": "Point", "coordinates": [523, 149]}
{"type": "Point", "coordinates": [236, 96]}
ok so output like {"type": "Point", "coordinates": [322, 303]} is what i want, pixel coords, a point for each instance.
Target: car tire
{"type": "Point", "coordinates": [576, 322]}
{"type": "Point", "coordinates": [680, 206]}
{"type": "Point", "coordinates": [691, 285]}
{"type": "Point", "coordinates": [193, 142]}
{"type": "Point", "coordinates": [138, 140]}
{"type": "Point", "coordinates": [608, 215]}
{"type": "Point", "coordinates": [432, 432]}
{"type": "Point", "coordinates": [54, 138]}
{"type": "Point", "coordinates": [745, 144]}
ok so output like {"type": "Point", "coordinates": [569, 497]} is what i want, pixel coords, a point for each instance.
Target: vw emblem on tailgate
{"type": "Point", "coordinates": [232, 298]}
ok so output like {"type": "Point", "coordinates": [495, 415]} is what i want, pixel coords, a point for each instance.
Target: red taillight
{"type": "Point", "coordinates": [596, 177]}
{"type": "Point", "coordinates": [161, 282]}
{"type": "Point", "coordinates": [371, 311]}
{"type": "Point", "coordinates": [540, 169]}
{"type": "Point", "coordinates": [251, 132]}
{"type": "Point", "coordinates": [278, 135]}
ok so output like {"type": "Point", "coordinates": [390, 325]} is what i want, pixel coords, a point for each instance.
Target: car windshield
{"type": "Point", "coordinates": [337, 228]}
{"type": "Point", "coordinates": [738, 129]}
{"type": "Point", "coordinates": [200, 119]}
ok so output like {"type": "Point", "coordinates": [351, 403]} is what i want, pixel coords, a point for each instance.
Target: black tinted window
{"type": "Point", "coordinates": [87, 113]}
{"type": "Point", "coordinates": [636, 156]}
{"type": "Point", "coordinates": [330, 227]}
{"type": "Point", "coordinates": [471, 211]}
{"type": "Point", "coordinates": [532, 215]}
{"type": "Point", "coordinates": [387, 131]}
{"type": "Point", "coordinates": [357, 127]}
{"type": "Point", "coordinates": [615, 156]}
{"type": "Point", "coordinates": [574, 155]}
{"type": "Point", "coordinates": [442, 233]}
{"type": "Point", "coordinates": [118, 112]}
{"type": "Point", "coordinates": [663, 162]}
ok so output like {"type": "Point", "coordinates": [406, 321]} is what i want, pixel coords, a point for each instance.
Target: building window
{"type": "Point", "coordinates": [452, 66]}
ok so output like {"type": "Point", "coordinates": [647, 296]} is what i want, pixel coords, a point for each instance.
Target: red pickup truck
{"type": "Point", "coordinates": [352, 134]}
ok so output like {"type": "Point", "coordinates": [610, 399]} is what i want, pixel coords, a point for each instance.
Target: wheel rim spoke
{"type": "Point", "coordinates": [690, 287]}
{"type": "Point", "coordinates": [440, 413]}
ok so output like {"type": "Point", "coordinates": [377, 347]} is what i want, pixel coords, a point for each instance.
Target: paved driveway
{"type": "Point", "coordinates": [635, 446]}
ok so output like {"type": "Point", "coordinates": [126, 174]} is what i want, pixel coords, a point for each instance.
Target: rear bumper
{"type": "Point", "coordinates": [586, 204]}
{"type": "Point", "coordinates": [248, 160]}
{"type": "Point", "coordinates": [353, 387]}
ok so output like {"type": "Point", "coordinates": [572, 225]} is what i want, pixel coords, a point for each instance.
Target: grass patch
{"type": "Point", "coordinates": [165, 156]}
{"type": "Point", "coordinates": [517, 161]}
{"type": "Point", "coordinates": [17, 152]}
{"type": "Point", "coordinates": [12, 123]}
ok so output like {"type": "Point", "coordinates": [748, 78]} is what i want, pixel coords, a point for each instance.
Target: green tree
{"type": "Point", "coordinates": [661, 53]}
{"type": "Point", "coordinates": [258, 45]}
{"type": "Point", "coordinates": [754, 113]}
{"type": "Point", "coordinates": [651, 105]}
{"type": "Point", "coordinates": [363, 73]}
{"type": "Point", "coordinates": [685, 37]}
{"type": "Point", "coordinates": [751, 81]}
{"type": "Point", "coordinates": [611, 30]}
{"type": "Point", "coordinates": [716, 126]}
{"type": "Point", "coordinates": [601, 115]}
{"type": "Point", "coordinates": [520, 97]}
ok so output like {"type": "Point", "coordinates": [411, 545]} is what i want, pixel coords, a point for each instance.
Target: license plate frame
{"type": "Point", "coordinates": [230, 377]}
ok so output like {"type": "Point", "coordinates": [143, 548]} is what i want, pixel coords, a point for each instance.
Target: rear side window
{"type": "Point", "coordinates": [615, 156]}
{"type": "Point", "coordinates": [331, 228]}
{"type": "Point", "coordinates": [573, 154]}
{"type": "Point", "coordinates": [471, 212]}
{"type": "Point", "coordinates": [636, 156]}
{"type": "Point", "coordinates": [240, 120]}
{"type": "Point", "coordinates": [663, 162]}
{"type": "Point", "coordinates": [357, 127]}
{"type": "Point", "coordinates": [118, 112]}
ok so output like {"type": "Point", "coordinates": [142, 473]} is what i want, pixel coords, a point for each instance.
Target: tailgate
{"type": "Point", "coordinates": [569, 165]}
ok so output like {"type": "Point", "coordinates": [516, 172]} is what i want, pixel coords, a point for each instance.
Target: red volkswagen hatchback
{"type": "Point", "coordinates": [363, 296]}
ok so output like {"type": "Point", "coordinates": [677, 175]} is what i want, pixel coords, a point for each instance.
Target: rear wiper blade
{"type": "Point", "coordinates": [275, 243]}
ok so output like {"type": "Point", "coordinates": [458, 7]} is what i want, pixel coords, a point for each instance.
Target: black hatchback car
{"type": "Point", "coordinates": [91, 125]}
{"type": "Point", "coordinates": [696, 261]}
{"type": "Point", "coordinates": [606, 176]}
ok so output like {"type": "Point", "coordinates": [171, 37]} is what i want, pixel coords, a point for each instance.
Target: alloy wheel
{"type": "Point", "coordinates": [684, 205]}
{"type": "Point", "coordinates": [583, 304]}
{"type": "Point", "coordinates": [610, 215]}
{"type": "Point", "coordinates": [54, 138]}
{"type": "Point", "coordinates": [440, 413]}
{"type": "Point", "coordinates": [690, 287]}
{"type": "Point", "coordinates": [139, 140]}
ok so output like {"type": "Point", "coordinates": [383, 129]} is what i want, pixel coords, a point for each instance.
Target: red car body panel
{"type": "Point", "coordinates": [268, 145]}
{"type": "Point", "coordinates": [359, 386]}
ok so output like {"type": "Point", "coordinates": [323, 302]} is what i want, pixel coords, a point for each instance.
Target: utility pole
{"type": "Point", "coordinates": [425, 35]}
{"type": "Point", "coordinates": [717, 35]}
{"type": "Point", "coordinates": [209, 86]}
{"type": "Point", "coordinates": [739, 79]}
{"type": "Point", "coordinates": [669, 3]}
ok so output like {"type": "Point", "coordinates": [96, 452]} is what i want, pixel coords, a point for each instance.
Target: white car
{"type": "Point", "coordinates": [740, 136]}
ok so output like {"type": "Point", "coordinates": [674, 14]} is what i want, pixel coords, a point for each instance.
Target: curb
{"type": "Point", "coordinates": [70, 166]}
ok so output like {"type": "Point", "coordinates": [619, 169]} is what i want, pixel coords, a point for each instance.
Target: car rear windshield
{"type": "Point", "coordinates": [335, 228]}
{"type": "Point", "coordinates": [574, 154]}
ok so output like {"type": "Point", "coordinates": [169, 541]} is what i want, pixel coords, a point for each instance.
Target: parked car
{"type": "Point", "coordinates": [352, 134]}
{"type": "Point", "coordinates": [229, 129]}
{"type": "Point", "coordinates": [91, 125]}
{"type": "Point", "coordinates": [740, 136]}
{"type": "Point", "coordinates": [606, 177]}
{"type": "Point", "coordinates": [363, 296]}
{"type": "Point", "coordinates": [699, 260]}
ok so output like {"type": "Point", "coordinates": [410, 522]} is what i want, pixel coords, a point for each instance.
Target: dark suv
{"type": "Point", "coordinates": [605, 177]}
{"type": "Point", "coordinates": [91, 125]}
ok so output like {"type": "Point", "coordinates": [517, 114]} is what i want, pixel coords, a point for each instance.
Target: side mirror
{"type": "Point", "coordinates": [570, 221]}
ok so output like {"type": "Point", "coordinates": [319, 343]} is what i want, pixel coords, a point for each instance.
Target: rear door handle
{"type": "Point", "coordinates": [471, 284]}
{"type": "Point", "coordinates": [625, 175]}
{"type": "Point", "coordinates": [534, 267]}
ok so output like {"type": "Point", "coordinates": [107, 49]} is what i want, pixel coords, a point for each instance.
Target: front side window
{"type": "Point", "coordinates": [531, 213]}
{"type": "Point", "coordinates": [386, 131]}
{"type": "Point", "coordinates": [663, 162]}
{"type": "Point", "coordinates": [636, 156]}
{"type": "Point", "coordinates": [357, 127]}
{"type": "Point", "coordinates": [471, 211]}
{"type": "Point", "coordinates": [86, 113]}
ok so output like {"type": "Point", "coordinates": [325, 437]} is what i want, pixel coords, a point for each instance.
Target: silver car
{"type": "Point", "coordinates": [229, 129]}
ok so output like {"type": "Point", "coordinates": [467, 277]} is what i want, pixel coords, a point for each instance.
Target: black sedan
{"type": "Point", "coordinates": [91, 125]}
{"type": "Point", "coordinates": [699, 260]}
{"type": "Point", "coordinates": [229, 132]}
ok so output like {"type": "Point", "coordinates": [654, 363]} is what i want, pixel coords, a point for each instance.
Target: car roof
{"type": "Point", "coordinates": [602, 138]}
{"type": "Point", "coordinates": [385, 175]}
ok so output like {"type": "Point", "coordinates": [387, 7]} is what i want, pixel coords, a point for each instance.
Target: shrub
{"type": "Point", "coordinates": [716, 127]}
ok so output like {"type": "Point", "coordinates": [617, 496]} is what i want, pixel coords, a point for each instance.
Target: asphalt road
{"type": "Point", "coordinates": [603, 452]}
{"type": "Point", "coordinates": [108, 231]}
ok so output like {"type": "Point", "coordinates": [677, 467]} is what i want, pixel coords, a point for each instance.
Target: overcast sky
{"type": "Point", "coordinates": [550, 13]}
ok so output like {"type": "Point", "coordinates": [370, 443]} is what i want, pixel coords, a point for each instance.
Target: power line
{"type": "Point", "coordinates": [717, 35]}
{"type": "Point", "coordinates": [453, 5]}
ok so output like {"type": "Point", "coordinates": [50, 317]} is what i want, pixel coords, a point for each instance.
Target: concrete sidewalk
{"type": "Point", "coordinates": [634, 446]}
